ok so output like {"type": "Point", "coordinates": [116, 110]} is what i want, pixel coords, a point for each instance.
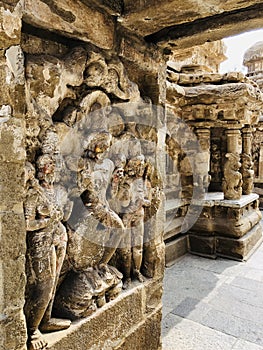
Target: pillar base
{"type": "Point", "coordinates": [228, 228]}
{"type": "Point", "coordinates": [242, 248]}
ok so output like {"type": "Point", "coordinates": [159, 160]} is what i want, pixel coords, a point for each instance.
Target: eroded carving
{"type": "Point", "coordinates": [93, 191]}
{"type": "Point", "coordinates": [232, 181]}
{"type": "Point", "coordinates": [46, 242]}
{"type": "Point", "coordinates": [247, 173]}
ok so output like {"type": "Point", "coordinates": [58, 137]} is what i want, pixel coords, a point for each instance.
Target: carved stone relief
{"type": "Point", "coordinates": [247, 173]}
{"type": "Point", "coordinates": [92, 185]}
{"type": "Point", "coordinates": [232, 181]}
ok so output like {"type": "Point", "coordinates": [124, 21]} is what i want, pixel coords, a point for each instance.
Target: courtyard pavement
{"type": "Point", "coordinates": [213, 304]}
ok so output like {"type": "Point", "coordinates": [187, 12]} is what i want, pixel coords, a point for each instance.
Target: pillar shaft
{"type": "Point", "coordinates": [233, 138]}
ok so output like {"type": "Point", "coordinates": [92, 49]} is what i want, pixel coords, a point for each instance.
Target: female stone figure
{"type": "Point", "coordinates": [131, 196]}
{"type": "Point", "coordinates": [46, 246]}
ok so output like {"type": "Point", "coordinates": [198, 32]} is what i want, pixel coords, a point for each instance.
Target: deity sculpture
{"type": "Point", "coordinates": [215, 166]}
{"type": "Point", "coordinates": [131, 196]}
{"type": "Point", "coordinates": [247, 173]}
{"type": "Point", "coordinates": [98, 231]}
{"type": "Point", "coordinates": [46, 242]}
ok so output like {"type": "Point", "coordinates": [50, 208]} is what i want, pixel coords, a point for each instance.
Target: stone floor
{"type": "Point", "coordinates": [214, 304]}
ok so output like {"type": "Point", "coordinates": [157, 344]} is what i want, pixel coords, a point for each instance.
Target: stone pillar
{"type": "Point", "coordinates": [12, 158]}
{"type": "Point", "coordinates": [247, 139]}
{"type": "Point", "coordinates": [247, 164]}
{"type": "Point", "coordinates": [233, 137]}
{"type": "Point", "coordinates": [232, 181]}
{"type": "Point", "coordinates": [260, 163]}
{"type": "Point", "coordinates": [202, 158]}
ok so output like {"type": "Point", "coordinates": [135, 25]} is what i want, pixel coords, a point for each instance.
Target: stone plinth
{"type": "Point", "coordinates": [133, 318]}
{"type": "Point", "coordinates": [229, 228]}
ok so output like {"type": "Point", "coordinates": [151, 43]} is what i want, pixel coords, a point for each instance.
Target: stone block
{"type": "Point", "coordinates": [205, 223]}
{"type": "Point", "coordinates": [237, 227]}
{"type": "Point", "coordinates": [242, 248]}
{"type": "Point", "coordinates": [10, 19]}
{"type": "Point", "coordinates": [11, 185]}
{"type": "Point", "coordinates": [12, 148]}
{"type": "Point", "coordinates": [146, 335]}
{"type": "Point", "coordinates": [153, 295]}
{"type": "Point", "coordinates": [202, 245]}
{"type": "Point", "coordinates": [12, 279]}
{"type": "Point", "coordinates": [173, 226]}
{"type": "Point", "coordinates": [114, 325]}
{"type": "Point", "coordinates": [175, 249]}
{"type": "Point", "coordinates": [153, 259]}
{"type": "Point", "coordinates": [12, 234]}
{"type": "Point", "coordinates": [76, 20]}
{"type": "Point", "coordinates": [15, 331]}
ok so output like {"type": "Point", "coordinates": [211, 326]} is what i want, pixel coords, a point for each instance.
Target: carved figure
{"type": "Point", "coordinates": [215, 171]}
{"type": "Point", "coordinates": [70, 249]}
{"type": "Point", "coordinates": [232, 181]}
{"type": "Point", "coordinates": [82, 292]}
{"type": "Point", "coordinates": [132, 196]}
{"type": "Point", "coordinates": [201, 176]}
{"type": "Point", "coordinates": [92, 282]}
{"type": "Point", "coordinates": [46, 242]}
{"type": "Point", "coordinates": [111, 77]}
{"type": "Point", "coordinates": [247, 173]}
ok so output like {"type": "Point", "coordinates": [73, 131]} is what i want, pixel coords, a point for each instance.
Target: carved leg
{"type": "Point", "coordinates": [125, 256]}
{"type": "Point", "coordinates": [116, 228]}
{"type": "Point", "coordinates": [41, 279]}
{"type": "Point", "coordinates": [49, 324]}
{"type": "Point", "coordinates": [137, 248]}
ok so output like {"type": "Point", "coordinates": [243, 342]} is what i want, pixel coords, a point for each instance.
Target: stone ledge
{"type": "Point", "coordinates": [114, 320]}
{"type": "Point", "coordinates": [175, 249]}
{"type": "Point", "coordinates": [146, 335]}
{"type": "Point", "coordinates": [76, 20]}
{"type": "Point", "coordinates": [217, 199]}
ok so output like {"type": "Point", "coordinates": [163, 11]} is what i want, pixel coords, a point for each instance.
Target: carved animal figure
{"type": "Point", "coordinates": [232, 181]}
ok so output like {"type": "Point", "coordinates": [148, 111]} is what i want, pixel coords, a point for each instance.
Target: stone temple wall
{"type": "Point", "coordinates": [81, 222]}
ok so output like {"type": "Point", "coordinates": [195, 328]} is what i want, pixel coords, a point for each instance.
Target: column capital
{"type": "Point", "coordinates": [232, 132]}
{"type": "Point", "coordinates": [248, 130]}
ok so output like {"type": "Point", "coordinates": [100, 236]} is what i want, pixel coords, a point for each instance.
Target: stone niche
{"type": "Point", "coordinates": [82, 206]}
{"type": "Point", "coordinates": [221, 110]}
